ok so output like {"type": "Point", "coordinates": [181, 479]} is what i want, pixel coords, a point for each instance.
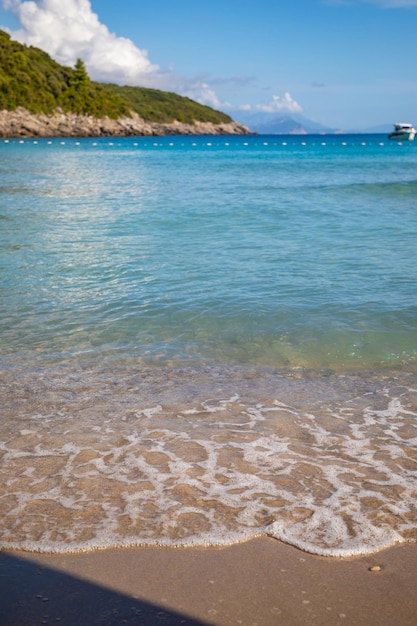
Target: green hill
{"type": "Point", "coordinates": [29, 78]}
{"type": "Point", "coordinates": [158, 106]}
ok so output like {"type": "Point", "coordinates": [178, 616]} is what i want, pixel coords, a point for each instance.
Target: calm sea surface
{"type": "Point", "coordinates": [206, 339]}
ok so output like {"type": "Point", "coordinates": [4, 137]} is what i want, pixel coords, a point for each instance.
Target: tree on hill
{"type": "Point", "coordinates": [80, 94]}
{"type": "Point", "coordinates": [79, 78]}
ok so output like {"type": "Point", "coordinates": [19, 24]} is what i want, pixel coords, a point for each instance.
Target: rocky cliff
{"type": "Point", "coordinates": [22, 123]}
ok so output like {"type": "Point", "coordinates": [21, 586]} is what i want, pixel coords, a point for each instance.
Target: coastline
{"type": "Point", "coordinates": [22, 123]}
{"type": "Point", "coordinates": [262, 582]}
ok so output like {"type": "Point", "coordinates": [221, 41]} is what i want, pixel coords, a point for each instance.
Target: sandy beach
{"type": "Point", "coordinates": [259, 583]}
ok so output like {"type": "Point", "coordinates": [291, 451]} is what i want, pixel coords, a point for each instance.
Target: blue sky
{"type": "Point", "coordinates": [343, 63]}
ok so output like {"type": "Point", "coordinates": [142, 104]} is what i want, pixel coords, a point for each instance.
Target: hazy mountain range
{"type": "Point", "coordinates": [295, 124]}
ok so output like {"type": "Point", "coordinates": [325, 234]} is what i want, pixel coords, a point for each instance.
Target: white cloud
{"type": "Point", "coordinates": [68, 29]}
{"type": "Point", "coordinates": [278, 104]}
{"type": "Point", "coordinates": [201, 92]}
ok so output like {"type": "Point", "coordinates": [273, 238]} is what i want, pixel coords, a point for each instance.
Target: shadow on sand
{"type": "Point", "coordinates": [33, 595]}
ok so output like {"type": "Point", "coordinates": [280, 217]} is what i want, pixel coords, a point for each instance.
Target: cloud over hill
{"type": "Point", "coordinates": [69, 29]}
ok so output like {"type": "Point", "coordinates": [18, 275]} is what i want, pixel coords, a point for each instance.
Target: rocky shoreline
{"type": "Point", "coordinates": [22, 123]}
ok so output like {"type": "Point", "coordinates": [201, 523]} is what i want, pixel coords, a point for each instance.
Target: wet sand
{"type": "Point", "coordinates": [262, 582]}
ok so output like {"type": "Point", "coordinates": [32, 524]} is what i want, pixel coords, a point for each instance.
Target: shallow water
{"type": "Point", "coordinates": [208, 339]}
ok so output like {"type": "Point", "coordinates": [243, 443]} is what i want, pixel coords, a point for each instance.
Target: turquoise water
{"type": "Point", "coordinates": [283, 255]}
{"type": "Point", "coordinates": [255, 281]}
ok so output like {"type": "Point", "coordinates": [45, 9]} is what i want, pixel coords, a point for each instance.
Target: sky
{"type": "Point", "coordinates": [348, 64]}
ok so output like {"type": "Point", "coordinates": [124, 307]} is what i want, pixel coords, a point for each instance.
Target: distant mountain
{"type": "Point", "coordinates": [295, 124]}
{"type": "Point", "coordinates": [271, 124]}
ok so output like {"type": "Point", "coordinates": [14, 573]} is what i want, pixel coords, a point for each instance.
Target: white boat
{"type": "Point", "coordinates": [403, 132]}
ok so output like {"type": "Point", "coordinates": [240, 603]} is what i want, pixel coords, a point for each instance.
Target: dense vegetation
{"type": "Point", "coordinates": [29, 78]}
{"type": "Point", "coordinates": [163, 106]}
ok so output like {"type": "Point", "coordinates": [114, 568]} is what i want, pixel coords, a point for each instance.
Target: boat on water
{"type": "Point", "coordinates": [403, 132]}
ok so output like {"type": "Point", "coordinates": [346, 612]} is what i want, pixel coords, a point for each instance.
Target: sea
{"type": "Point", "coordinates": [208, 339]}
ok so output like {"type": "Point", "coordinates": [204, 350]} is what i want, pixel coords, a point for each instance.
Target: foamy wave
{"type": "Point", "coordinates": [334, 477]}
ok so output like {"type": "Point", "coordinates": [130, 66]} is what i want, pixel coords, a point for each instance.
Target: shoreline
{"type": "Point", "coordinates": [148, 455]}
{"type": "Point", "coordinates": [261, 582]}
{"type": "Point", "coordinates": [21, 123]}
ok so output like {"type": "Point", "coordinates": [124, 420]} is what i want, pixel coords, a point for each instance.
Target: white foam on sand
{"type": "Point", "coordinates": [336, 478]}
